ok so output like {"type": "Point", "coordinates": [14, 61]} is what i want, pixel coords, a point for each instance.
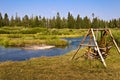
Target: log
{"type": "Point", "coordinates": [100, 29]}
{"type": "Point", "coordinates": [101, 57]}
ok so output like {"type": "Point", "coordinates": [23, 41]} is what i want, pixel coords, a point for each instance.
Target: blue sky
{"type": "Point", "coordinates": [103, 9]}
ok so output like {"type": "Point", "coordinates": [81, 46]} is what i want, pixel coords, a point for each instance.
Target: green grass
{"type": "Point", "coordinates": [17, 37]}
{"type": "Point", "coordinates": [116, 34]}
{"type": "Point", "coordinates": [62, 68]}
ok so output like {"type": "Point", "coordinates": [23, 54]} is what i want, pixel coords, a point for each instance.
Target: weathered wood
{"type": "Point", "coordinates": [102, 49]}
{"type": "Point", "coordinates": [100, 29]}
{"type": "Point", "coordinates": [81, 43]}
{"type": "Point", "coordinates": [114, 42]}
{"type": "Point", "coordinates": [103, 61]}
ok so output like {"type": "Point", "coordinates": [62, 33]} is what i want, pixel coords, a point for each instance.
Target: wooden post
{"type": "Point", "coordinates": [103, 61]}
{"type": "Point", "coordinates": [81, 43]}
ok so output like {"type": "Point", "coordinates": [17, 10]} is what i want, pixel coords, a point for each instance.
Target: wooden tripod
{"type": "Point", "coordinates": [101, 46]}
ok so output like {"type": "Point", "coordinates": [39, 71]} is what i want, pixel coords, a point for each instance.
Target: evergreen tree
{"type": "Point", "coordinates": [12, 21]}
{"type": "Point", "coordinates": [78, 22]}
{"type": "Point", "coordinates": [52, 22]}
{"type": "Point", "coordinates": [115, 23]}
{"type": "Point", "coordinates": [86, 22]}
{"type": "Point", "coordinates": [36, 21]}
{"type": "Point", "coordinates": [111, 25]}
{"type": "Point", "coordinates": [25, 21]}
{"type": "Point", "coordinates": [58, 21]}
{"type": "Point", "coordinates": [95, 23]}
{"type": "Point", "coordinates": [118, 23]}
{"type": "Point", "coordinates": [40, 21]}
{"type": "Point", "coordinates": [47, 23]}
{"type": "Point", "coordinates": [31, 21]}
{"type": "Point", "coordinates": [6, 20]}
{"type": "Point", "coordinates": [1, 20]}
{"type": "Point", "coordinates": [17, 20]}
{"type": "Point", "coordinates": [102, 24]}
{"type": "Point", "coordinates": [64, 23]}
{"type": "Point", "coordinates": [44, 22]}
{"type": "Point", "coordinates": [71, 21]}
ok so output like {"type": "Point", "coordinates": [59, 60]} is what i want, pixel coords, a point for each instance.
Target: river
{"type": "Point", "coordinates": [17, 54]}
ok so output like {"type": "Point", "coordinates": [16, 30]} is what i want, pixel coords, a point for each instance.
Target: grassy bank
{"type": "Point", "coordinates": [17, 37]}
{"type": "Point", "coordinates": [62, 68]}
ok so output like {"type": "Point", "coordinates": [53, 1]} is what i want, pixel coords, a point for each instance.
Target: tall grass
{"type": "Point", "coordinates": [116, 34]}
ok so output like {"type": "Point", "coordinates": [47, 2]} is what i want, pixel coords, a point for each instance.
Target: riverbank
{"type": "Point", "coordinates": [20, 37]}
{"type": "Point", "coordinates": [62, 68]}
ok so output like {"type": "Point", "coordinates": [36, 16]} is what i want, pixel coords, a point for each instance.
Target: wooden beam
{"type": "Point", "coordinates": [114, 42]}
{"type": "Point", "coordinates": [101, 57]}
{"type": "Point", "coordinates": [81, 43]}
{"type": "Point", "coordinates": [100, 29]}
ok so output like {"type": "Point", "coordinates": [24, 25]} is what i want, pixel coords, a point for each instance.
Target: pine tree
{"type": "Point", "coordinates": [58, 21]}
{"type": "Point", "coordinates": [86, 22]}
{"type": "Point", "coordinates": [12, 21]}
{"type": "Point", "coordinates": [64, 23]}
{"type": "Point", "coordinates": [25, 21]}
{"type": "Point", "coordinates": [36, 21]}
{"type": "Point", "coordinates": [6, 20]}
{"type": "Point", "coordinates": [52, 22]}
{"type": "Point", "coordinates": [110, 24]}
{"type": "Point", "coordinates": [31, 21]}
{"type": "Point", "coordinates": [1, 20]}
{"type": "Point", "coordinates": [102, 23]}
{"type": "Point", "coordinates": [78, 22]}
{"type": "Point", "coordinates": [95, 23]}
{"type": "Point", "coordinates": [44, 22]}
{"type": "Point", "coordinates": [119, 23]}
{"type": "Point", "coordinates": [115, 23]}
{"type": "Point", "coordinates": [71, 21]}
{"type": "Point", "coordinates": [17, 20]}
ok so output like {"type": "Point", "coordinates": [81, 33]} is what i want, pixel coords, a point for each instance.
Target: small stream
{"type": "Point", "coordinates": [17, 54]}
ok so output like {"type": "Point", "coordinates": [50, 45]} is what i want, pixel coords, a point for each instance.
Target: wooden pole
{"type": "Point", "coordinates": [80, 44]}
{"type": "Point", "coordinates": [114, 42]}
{"type": "Point", "coordinates": [103, 61]}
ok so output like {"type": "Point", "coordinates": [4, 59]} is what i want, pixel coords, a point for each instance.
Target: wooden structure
{"type": "Point", "coordinates": [98, 45]}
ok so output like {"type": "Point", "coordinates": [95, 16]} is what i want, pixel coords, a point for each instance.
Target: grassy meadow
{"type": "Point", "coordinates": [57, 67]}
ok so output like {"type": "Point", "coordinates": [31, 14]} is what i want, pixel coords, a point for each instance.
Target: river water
{"type": "Point", "coordinates": [17, 54]}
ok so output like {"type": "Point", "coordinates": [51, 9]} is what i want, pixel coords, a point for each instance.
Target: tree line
{"type": "Point", "coordinates": [57, 22]}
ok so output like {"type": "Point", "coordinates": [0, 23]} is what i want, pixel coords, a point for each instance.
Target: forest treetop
{"type": "Point", "coordinates": [57, 22]}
